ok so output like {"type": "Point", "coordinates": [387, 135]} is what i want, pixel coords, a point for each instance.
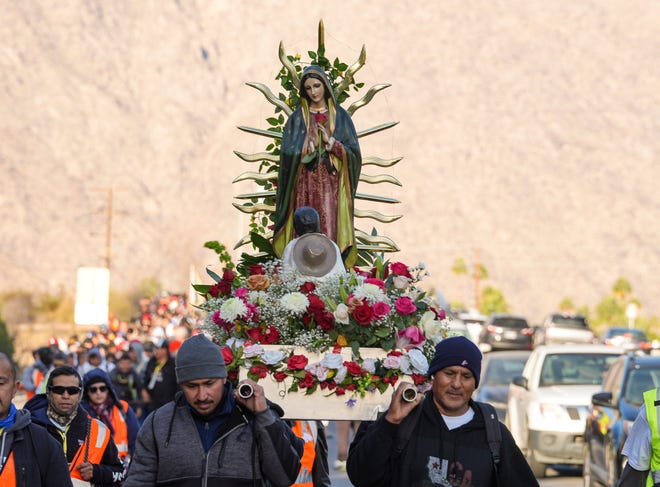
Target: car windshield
{"type": "Point", "coordinates": [510, 322]}
{"type": "Point", "coordinates": [570, 321]}
{"type": "Point", "coordinates": [575, 368]}
{"type": "Point", "coordinates": [502, 371]}
{"type": "Point", "coordinates": [627, 333]}
{"type": "Point", "coordinates": [640, 381]}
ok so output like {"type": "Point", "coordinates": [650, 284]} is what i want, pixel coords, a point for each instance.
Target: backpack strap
{"type": "Point", "coordinates": [493, 433]}
{"type": "Point", "coordinates": [406, 428]}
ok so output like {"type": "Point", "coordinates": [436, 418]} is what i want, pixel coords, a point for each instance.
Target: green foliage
{"type": "Point", "coordinates": [492, 301]}
{"type": "Point", "coordinates": [223, 255]}
{"type": "Point", "coordinates": [566, 304]}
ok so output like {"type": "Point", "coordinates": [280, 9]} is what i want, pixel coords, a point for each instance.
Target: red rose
{"type": "Point", "coordinates": [228, 275]}
{"type": "Point", "coordinates": [255, 269]}
{"type": "Point", "coordinates": [360, 272]}
{"type": "Point", "coordinates": [307, 287]}
{"type": "Point", "coordinates": [227, 354]}
{"type": "Point", "coordinates": [224, 287]}
{"type": "Point", "coordinates": [419, 379]}
{"type": "Point", "coordinates": [331, 385]}
{"type": "Point", "coordinates": [259, 370]}
{"type": "Point", "coordinates": [254, 334]}
{"type": "Point", "coordinates": [400, 269]}
{"type": "Point", "coordinates": [296, 362]}
{"type": "Point", "coordinates": [394, 353]}
{"type": "Point", "coordinates": [307, 381]}
{"type": "Point", "coordinates": [270, 335]}
{"type": "Point", "coordinates": [393, 379]}
{"type": "Point", "coordinates": [215, 290]}
{"type": "Point", "coordinates": [326, 321]}
{"type": "Point", "coordinates": [363, 314]}
{"type": "Point", "coordinates": [351, 387]}
{"type": "Point", "coordinates": [232, 375]}
{"type": "Point", "coordinates": [315, 304]}
{"type": "Point", "coordinates": [340, 391]}
{"type": "Point", "coordinates": [380, 309]}
{"type": "Point", "coordinates": [321, 118]}
{"type": "Point", "coordinates": [307, 319]}
{"type": "Point", "coordinates": [280, 376]}
{"type": "Point", "coordinates": [353, 368]}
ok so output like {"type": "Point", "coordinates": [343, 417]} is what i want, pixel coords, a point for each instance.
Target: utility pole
{"type": "Point", "coordinates": [108, 230]}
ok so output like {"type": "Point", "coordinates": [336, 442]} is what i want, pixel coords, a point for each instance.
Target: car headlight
{"type": "Point", "coordinates": [549, 412]}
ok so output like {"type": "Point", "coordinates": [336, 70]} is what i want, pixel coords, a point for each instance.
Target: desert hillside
{"type": "Point", "coordinates": [529, 132]}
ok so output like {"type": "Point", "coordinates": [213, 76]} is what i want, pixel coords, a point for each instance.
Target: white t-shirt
{"type": "Point", "coordinates": [638, 444]}
{"type": "Point", "coordinates": [454, 422]}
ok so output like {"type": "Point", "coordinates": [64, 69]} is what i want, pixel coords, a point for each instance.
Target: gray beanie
{"type": "Point", "coordinates": [199, 358]}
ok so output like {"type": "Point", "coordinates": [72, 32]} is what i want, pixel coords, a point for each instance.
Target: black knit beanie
{"type": "Point", "coordinates": [457, 350]}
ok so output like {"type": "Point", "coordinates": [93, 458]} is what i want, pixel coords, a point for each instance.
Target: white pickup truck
{"type": "Point", "coordinates": [547, 405]}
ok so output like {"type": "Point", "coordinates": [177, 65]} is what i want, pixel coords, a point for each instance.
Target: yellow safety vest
{"type": "Point", "coordinates": [652, 410]}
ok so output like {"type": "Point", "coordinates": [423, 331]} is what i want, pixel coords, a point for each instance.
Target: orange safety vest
{"type": "Point", "coordinates": [8, 474]}
{"type": "Point", "coordinates": [37, 377]}
{"type": "Point", "coordinates": [118, 419]}
{"type": "Point", "coordinates": [309, 434]}
{"type": "Point", "coordinates": [92, 448]}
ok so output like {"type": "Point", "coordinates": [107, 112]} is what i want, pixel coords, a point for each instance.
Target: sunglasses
{"type": "Point", "coordinates": [59, 390]}
{"type": "Point", "coordinates": [99, 388]}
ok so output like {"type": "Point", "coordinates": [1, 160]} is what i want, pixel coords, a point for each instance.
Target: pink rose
{"type": "Point", "coordinates": [413, 335]}
{"type": "Point", "coordinates": [405, 306]}
{"type": "Point", "coordinates": [380, 309]}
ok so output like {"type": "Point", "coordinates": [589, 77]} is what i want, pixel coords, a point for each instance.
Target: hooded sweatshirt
{"type": "Point", "coordinates": [434, 454]}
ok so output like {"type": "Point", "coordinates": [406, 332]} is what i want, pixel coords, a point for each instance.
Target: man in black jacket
{"type": "Point", "coordinates": [86, 442]}
{"type": "Point", "coordinates": [446, 443]}
{"type": "Point", "coordinates": [29, 457]}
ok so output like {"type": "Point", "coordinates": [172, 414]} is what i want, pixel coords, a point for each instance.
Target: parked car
{"type": "Point", "coordinates": [475, 323]}
{"type": "Point", "coordinates": [611, 416]}
{"type": "Point", "coordinates": [564, 328]}
{"type": "Point", "coordinates": [547, 405]}
{"type": "Point", "coordinates": [506, 332]}
{"type": "Point", "coordinates": [628, 338]}
{"type": "Point", "coordinates": [497, 371]}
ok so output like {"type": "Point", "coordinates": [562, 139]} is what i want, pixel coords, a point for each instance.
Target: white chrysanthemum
{"type": "Point", "coordinates": [370, 292]}
{"type": "Point", "coordinates": [418, 360]}
{"type": "Point", "coordinates": [272, 357]}
{"type": "Point", "coordinates": [295, 303]}
{"type": "Point", "coordinates": [232, 309]}
{"type": "Point", "coordinates": [341, 314]}
{"type": "Point", "coordinates": [333, 360]}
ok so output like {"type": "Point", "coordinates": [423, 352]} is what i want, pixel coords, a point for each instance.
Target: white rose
{"type": "Point", "coordinates": [332, 360]}
{"type": "Point", "coordinates": [272, 357]}
{"type": "Point", "coordinates": [341, 314]}
{"type": "Point", "coordinates": [405, 365]}
{"type": "Point", "coordinates": [318, 370]}
{"type": "Point", "coordinates": [418, 360]}
{"type": "Point", "coordinates": [369, 364]}
{"type": "Point", "coordinates": [234, 343]}
{"type": "Point", "coordinates": [255, 350]}
{"type": "Point", "coordinates": [400, 282]}
{"type": "Point", "coordinates": [341, 374]}
{"type": "Point", "coordinates": [391, 362]}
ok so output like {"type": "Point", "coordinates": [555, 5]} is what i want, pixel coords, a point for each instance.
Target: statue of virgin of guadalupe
{"type": "Point", "coordinates": [320, 165]}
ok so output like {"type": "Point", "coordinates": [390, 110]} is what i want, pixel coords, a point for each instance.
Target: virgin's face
{"type": "Point", "coordinates": [315, 91]}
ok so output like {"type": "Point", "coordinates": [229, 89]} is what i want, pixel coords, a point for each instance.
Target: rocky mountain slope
{"type": "Point", "coordinates": [528, 131]}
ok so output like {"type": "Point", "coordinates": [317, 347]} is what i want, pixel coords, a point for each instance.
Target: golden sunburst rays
{"type": "Point", "coordinates": [263, 202]}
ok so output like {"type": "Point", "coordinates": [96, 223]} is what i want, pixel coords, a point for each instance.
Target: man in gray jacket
{"type": "Point", "coordinates": [210, 435]}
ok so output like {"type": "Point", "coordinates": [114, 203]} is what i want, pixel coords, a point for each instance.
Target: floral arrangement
{"type": "Point", "coordinates": [382, 308]}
